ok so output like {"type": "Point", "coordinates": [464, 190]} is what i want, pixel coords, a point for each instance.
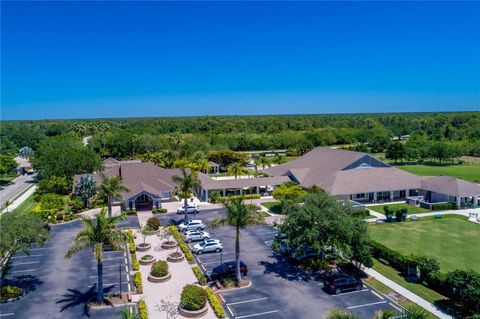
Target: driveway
{"type": "Point", "coordinates": [15, 187]}
{"type": "Point", "coordinates": [59, 288]}
{"type": "Point", "coordinates": [279, 290]}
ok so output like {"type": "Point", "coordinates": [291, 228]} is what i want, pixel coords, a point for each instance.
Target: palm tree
{"type": "Point", "coordinates": [257, 163]}
{"type": "Point", "coordinates": [187, 184]}
{"type": "Point", "coordinates": [127, 313]}
{"type": "Point", "coordinates": [203, 166]}
{"type": "Point", "coordinates": [111, 188]}
{"type": "Point", "coordinates": [239, 216]}
{"type": "Point", "coordinates": [278, 160]}
{"type": "Point", "coordinates": [387, 314]}
{"type": "Point", "coordinates": [236, 169]}
{"type": "Point", "coordinates": [264, 162]}
{"type": "Point", "coordinates": [97, 234]}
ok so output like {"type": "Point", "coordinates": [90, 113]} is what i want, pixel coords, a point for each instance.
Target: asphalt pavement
{"type": "Point", "coordinates": [59, 288]}
{"type": "Point", "coordinates": [15, 188]}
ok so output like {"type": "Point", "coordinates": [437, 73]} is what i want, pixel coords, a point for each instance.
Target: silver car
{"type": "Point", "coordinates": [212, 245]}
{"type": "Point", "coordinates": [196, 235]}
{"type": "Point", "coordinates": [195, 224]}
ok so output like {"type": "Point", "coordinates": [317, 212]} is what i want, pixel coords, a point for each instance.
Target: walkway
{"type": "Point", "coordinates": [171, 290]}
{"type": "Point", "coordinates": [407, 294]}
{"type": "Point", "coordinates": [16, 187]}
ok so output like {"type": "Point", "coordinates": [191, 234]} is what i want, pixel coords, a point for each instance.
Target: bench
{"type": "Point", "coordinates": [218, 285]}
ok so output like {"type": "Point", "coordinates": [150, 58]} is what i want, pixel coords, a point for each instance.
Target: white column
{"type": "Point", "coordinates": [258, 189]}
{"type": "Point", "coordinates": [224, 192]}
{"type": "Point", "coordinates": [374, 197]}
{"type": "Point", "coordinates": [391, 195]}
{"type": "Point", "coordinates": [133, 204]}
{"type": "Point", "coordinates": [206, 195]}
{"type": "Point", "coordinates": [458, 198]}
{"type": "Point", "coordinates": [241, 191]}
{"type": "Point", "coordinates": [475, 201]}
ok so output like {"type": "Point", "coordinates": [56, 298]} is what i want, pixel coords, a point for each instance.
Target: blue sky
{"type": "Point", "coordinates": [118, 59]}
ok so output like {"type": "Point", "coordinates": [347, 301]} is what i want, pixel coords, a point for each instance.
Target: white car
{"type": "Point", "coordinates": [196, 235]}
{"type": "Point", "coordinates": [195, 224]}
{"type": "Point", "coordinates": [191, 208]}
{"type": "Point", "coordinates": [211, 245]}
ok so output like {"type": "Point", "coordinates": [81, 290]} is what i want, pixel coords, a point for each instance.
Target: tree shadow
{"type": "Point", "coordinates": [75, 298]}
{"type": "Point", "coordinates": [26, 282]}
{"type": "Point", "coordinates": [284, 269]}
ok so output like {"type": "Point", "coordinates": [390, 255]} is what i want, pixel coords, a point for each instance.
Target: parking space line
{"type": "Point", "coordinates": [215, 262]}
{"type": "Point", "coordinates": [26, 270]}
{"type": "Point", "coordinates": [256, 314]}
{"type": "Point", "coordinates": [6, 314]}
{"type": "Point", "coordinates": [266, 233]}
{"type": "Point", "coordinates": [106, 284]}
{"type": "Point", "coordinates": [351, 292]}
{"type": "Point", "coordinates": [245, 301]}
{"type": "Point", "coordinates": [15, 257]}
{"type": "Point", "coordinates": [221, 297]}
{"type": "Point", "coordinates": [367, 304]}
{"type": "Point", "coordinates": [26, 263]}
{"type": "Point", "coordinates": [376, 294]}
{"type": "Point", "coordinates": [105, 259]}
{"type": "Point", "coordinates": [108, 275]}
{"type": "Point", "coordinates": [43, 248]}
{"type": "Point", "coordinates": [111, 266]}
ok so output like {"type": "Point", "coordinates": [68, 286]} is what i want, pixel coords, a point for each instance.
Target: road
{"type": "Point", "coordinates": [16, 187]}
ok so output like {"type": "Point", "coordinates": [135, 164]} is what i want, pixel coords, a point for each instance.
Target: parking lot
{"type": "Point", "coordinates": [59, 288]}
{"type": "Point", "coordinates": [279, 290]}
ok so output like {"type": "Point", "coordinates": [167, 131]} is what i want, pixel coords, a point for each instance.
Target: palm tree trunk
{"type": "Point", "coordinates": [237, 255]}
{"type": "Point", "coordinates": [110, 200]}
{"type": "Point", "coordinates": [100, 280]}
{"type": "Point", "coordinates": [185, 205]}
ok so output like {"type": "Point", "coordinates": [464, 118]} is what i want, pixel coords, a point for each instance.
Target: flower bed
{"type": "Point", "coordinates": [213, 300]}
{"type": "Point", "coordinates": [147, 260]}
{"type": "Point", "coordinates": [183, 246]}
{"type": "Point", "coordinates": [175, 257]}
{"type": "Point", "coordinates": [159, 272]}
{"type": "Point", "coordinates": [137, 282]}
{"type": "Point", "coordinates": [193, 301]}
{"type": "Point", "coordinates": [10, 293]}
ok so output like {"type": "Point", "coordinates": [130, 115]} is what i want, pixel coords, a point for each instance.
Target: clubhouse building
{"type": "Point", "coordinates": [347, 175]}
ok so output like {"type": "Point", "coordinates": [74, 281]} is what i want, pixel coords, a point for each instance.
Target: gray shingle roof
{"type": "Point", "coordinates": [326, 167]}
{"type": "Point", "coordinates": [451, 186]}
{"type": "Point", "coordinates": [210, 183]}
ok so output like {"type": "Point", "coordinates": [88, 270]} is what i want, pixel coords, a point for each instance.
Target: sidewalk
{"type": "Point", "coordinates": [407, 294]}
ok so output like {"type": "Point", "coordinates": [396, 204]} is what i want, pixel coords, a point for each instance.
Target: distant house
{"type": "Point", "coordinates": [450, 189]}
{"type": "Point", "coordinates": [215, 168]}
{"type": "Point", "coordinates": [23, 165]}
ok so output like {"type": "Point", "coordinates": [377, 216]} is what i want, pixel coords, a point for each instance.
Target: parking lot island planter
{"type": "Point", "coordinates": [147, 260]}
{"type": "Point", "coordinates": [169, 244]}
{"type": "Point", "coordinates": [11, 293]}
{"type": "Point", "coordinates": [152, 232]}
{"type": "Point", "coordinates": [154, 279]}
{"type": "Point", "coordinates": [193, 313]}
{"type": "Point", "coordinates": [175, 257]}
{"type": "Point", "coordinates": [144, 247]}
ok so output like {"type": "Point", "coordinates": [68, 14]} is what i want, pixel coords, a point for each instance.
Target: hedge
{"type": "Point", "coordinates": [198, 273]}
{"type": "Point", "coordinates": [142, 310]}
{"type": "Point", "coordinates": [153, 223]}
{"type": "Point", "coordinates": [137, 282]}
{"type": "Point", "coordinates": [213, 300]}
{"type": "Point", "coordinates": [360, 213]}
{"type": "Point", "coordinates": [226, 198]}
{"type": "Point", "coordinates": [159, 210]}
{"type": "Point", "coordinates": [394, 258]}
{"type": "Point", "coordinates": [135, 262]}
{"type": "Point", "coordinates": [181, 243]}
{"type": "Point", "coordinates": [444, 206]}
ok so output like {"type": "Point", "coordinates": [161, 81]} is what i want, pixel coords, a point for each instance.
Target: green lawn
{"type": "Point", "coordinates": [452, 240]}
{"type": "Point", "coordinates": [417, 288]}
{"type": "Point", "coordinates": [466, 172]}
{"type": "Point", "coordinates": [411, 209]}
{"type": "Point", "coordinates": [274, 207]}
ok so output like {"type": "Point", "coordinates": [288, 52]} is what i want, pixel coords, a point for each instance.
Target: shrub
{"type": "Point", "coordinates": [193, 298]}
{"type": "Point", "coordinates": [228, 282]}
{"type": "Point", "coordinates": [427, 265]}
{"type": "Point", "coordinates": [75, 204]}
{"type": "Point", "coordinates": [217, 307]}
{"type": "Point", "coordinates": [153, 223]}
{"type": "Point", "coordinates": [59, 216]}
{"type": "Point", "coordinates": [51, 201]}
{"type": "Point", "coordinates": [142, 310]}
{"type": "Point", "coordinates": [135, 262]}
{"type": "Point", "coordinates": [9, 292]}
{"type": "Point", "coordinates": [394, 258]}
{"type": "Point", "coordinates": [146, 257]}
{"type": "Point", "coordinates": [137, 282]}
{"type": "Point", "coordinates": [214, 196]}
{"type": "Point", "coordinates": [159, 269]}
{"type": "Point", "coordinates": [360, 213]}
{"type": "Point", "coordinates": [463, 288]}
{"type": "Point", "coordinates": [159, 210]}
{"type": "Point", "coordinates": [250, 196]}
{"type": "Point", "coordinates": [131, 212]}
{"type": "Point", "coordinates": [198, 273]}
{"type": "Point", "coordinates": [444, 206]}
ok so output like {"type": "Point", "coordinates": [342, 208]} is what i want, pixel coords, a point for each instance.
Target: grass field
{"type": "Point", "coordinates": [274, 207]}
{"type": "Point", "coordinates": [466, 172]}
{"type": "Point", "coordinates": [411, 209]}
{"type": "Point", "coordinates": [452, 240]}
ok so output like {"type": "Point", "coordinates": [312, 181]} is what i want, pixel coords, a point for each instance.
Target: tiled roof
{"type": "Point", "coordinates": [210, 183]}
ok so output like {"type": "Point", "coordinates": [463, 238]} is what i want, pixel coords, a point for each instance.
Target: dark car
{"type": "Point", "coordinates": [339, 284]}
{"type": "Point", "coordinates": [228, 269]}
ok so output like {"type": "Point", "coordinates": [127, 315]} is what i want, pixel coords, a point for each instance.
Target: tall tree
{"type": "Point", "coordinates": [85, 188]}
{"type": "Point", "coordinates": [97, 234]}
{"type": "Point", "coordinates": [187, 184]}
{"type": "Point", "coordinates": [239, 216]}
{"type": "Point", "coordinates": [236, 169]}
{"type": "Point", "coordinates": [7, 164]}
{"type": "Point", "coordinates": [111, 188]}
{"type": "Point", "coordinates": [395, 151]}
{"type": "Point", "coordinates": [264, 162]}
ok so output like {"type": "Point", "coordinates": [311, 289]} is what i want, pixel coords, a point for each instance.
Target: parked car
{"type": "Point", "coordinates": [340, 283]}
{"type": "Point", "coordinates": [191, 208]}
{"type": "Point", "coordinates": [210, 245]}
{"type": "Point", "coordinates": [195, 224]}
{"type": "Point", "coordinates": [196, 235]}
{"type": "Point", "coordinates": [227, 269]}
